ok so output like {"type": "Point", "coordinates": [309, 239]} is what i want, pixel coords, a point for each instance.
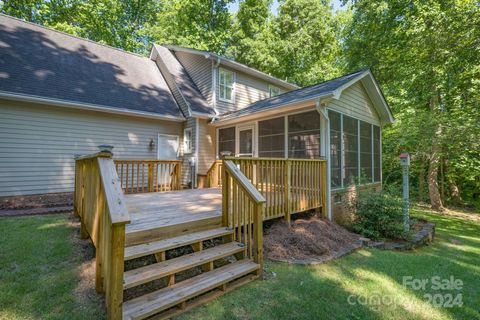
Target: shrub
{"type": "Point", "coordinates": [378, 215]}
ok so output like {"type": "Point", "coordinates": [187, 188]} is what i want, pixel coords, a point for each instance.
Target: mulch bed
{"type": "Point", "coordinates": [36, 204]}
{"type": "Point", "coordinates": [308, 241]}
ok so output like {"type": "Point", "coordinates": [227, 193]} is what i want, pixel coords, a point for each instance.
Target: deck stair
{"type": "Point", "coordinates": [206, 273]}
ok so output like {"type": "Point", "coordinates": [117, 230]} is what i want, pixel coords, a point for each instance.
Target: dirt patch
{"type": "Point", "coordinates": [308, 241]}
{"type": "Point", "coordinates": [48, 200]}
{"type": "Point", "coordinates": [85, 292]}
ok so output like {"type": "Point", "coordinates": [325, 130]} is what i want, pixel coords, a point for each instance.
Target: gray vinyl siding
{"type": "Point", "coordinates": [38, 143]}
{"type": "Point", "coordinates": [355, 102]}
{"type": "Point", "coordinates": [206, 146]}
{"type": "Point", "coordinates": [200, 70]}
{"type": "Point", "coordinates": [186, 168]}
{"type": "Point", "coordinates": [248, 89]}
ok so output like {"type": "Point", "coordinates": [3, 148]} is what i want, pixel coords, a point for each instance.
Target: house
{"type": "Point", "coordinates": [294, 149]}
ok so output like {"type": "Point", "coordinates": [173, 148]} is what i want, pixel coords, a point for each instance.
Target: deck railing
{"type": "Point", "coordinates": [99, 202]}
{"type": "Point", "coordinates": [242, 208]}
{"type": "Point", "coordinates": [214, 174]}
{"type": "Point", "coordinates": [138, 176]}
{"type": "Point", "coordinates": [288, 185]}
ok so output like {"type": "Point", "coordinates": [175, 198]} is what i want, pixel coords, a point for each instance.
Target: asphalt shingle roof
{"type": "Point", "coordinates": [301, 94]}
{"type": "Point", "coordinates": [43, 62]}
{"type": "Point", "coordinates": [185, 84]}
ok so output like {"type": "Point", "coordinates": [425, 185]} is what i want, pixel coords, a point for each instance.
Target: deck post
{"type": "Point", "coordinates": [150, 177]}
{"type": "Point", "coordinates": [225, 197]}
{"type": "Point", "coordinates": [115, 294]}
{"type": "Point", "coordinates": [179, 176]}
{"type": "Point", "coordinates": [258, 236]}
{"type": "Point", "coordinates": [288, 195]}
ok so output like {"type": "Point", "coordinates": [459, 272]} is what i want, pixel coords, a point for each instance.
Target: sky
{"type": "Point", "coordinates": [234, 6]}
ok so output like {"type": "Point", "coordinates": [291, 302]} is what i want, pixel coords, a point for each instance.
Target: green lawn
{"type": "Point", "coordinates": [40, 266]}
{"type": "Point", "coordinates": [40, 271]}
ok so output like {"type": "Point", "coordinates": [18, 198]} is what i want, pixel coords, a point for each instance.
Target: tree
{"type": "Point", "coordinates": [200, 24]}
{"type": "Point", "coordinates": [113, 22]}
{"type": "Point", "coordinates": [425, 54]}
{"type": "Point", "coordinates": [253, 39]}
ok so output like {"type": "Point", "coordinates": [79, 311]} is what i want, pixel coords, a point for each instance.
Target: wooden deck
{"type": "Point", "coordinates": [172, 213]}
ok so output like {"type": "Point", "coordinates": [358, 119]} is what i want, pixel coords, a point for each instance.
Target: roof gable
{"type": "Point", "coordinates": [331, 89]}
{"type": "Point", "coordinates": [41, 62]}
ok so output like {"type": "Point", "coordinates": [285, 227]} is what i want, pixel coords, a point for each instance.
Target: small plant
{"type": "Point", "coordinates": [378, 215]}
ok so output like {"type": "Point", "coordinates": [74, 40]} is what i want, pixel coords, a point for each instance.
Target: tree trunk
{"type": "Point", "coordinates": [421, 179]}
{"type": "Point", "coordinates": [434, 159]}
{"type": "Point", "coordinates": [433, 190]}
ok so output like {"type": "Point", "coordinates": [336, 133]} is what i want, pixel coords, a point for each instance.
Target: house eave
{"type": "Point", "coordinates": [235, 65]}
{"type": "Point", "coordinates": [86, 106]}
{"type": "Point", "coordinates": [280, 108]}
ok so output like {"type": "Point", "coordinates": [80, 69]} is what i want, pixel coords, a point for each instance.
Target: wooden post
{"type": "Point", "coordinates": [179, 176]}
{"type": "Point", "coordinates": [225, 197]}
{"type": "Point", "coordinates": [258, 236]}
{"type": "Point", "coordinates": [115, 290]}
{"type": "Point", "coordinates": [287, 185]}
{"type": "Point", "coordinates": [150, 177]}
{"type": "Point", "coordinates": [325, 203]}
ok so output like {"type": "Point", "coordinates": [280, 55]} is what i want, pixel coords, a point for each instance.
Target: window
{"type": "Point", "coordinates": [187, 140]}
{"type": "Point", "coordinates": [226, 84]}
{"type": "Point", "coordinates": [355, 153]}
{"type": "Point", "coordinates": [377, 161]}
{"type": "Point", "coordinates": [304, 135]}
{"type": "Point", "coordinates": [335, 149]}
{"type": "Point", "coordinates": [350, 154]}
{"type": "Point", "coordinates": [365, 152]}
{"type": "Point", "coordinates": [226, 141]}
{"type": "Point", "coordinates": [274, 91]}
{"type": "Point", "coordinates": [271, 138]}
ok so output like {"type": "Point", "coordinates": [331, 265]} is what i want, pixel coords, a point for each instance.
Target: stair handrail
{"type": "Point", "coordinates": [214, 174]}
{"type": "Point", "coordinates": [242, 210]}
{"type": "Point", "coordinates": [100, 204]}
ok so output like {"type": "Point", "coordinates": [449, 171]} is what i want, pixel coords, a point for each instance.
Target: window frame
{"type": "Point", "coordinates": [372, 141]}
{"type": "Point", "coordinates": [271, 87]}
{"type": "Point", "coordinates": [225, 85]}
{"type": "Point", "coordinates": [187, 143]}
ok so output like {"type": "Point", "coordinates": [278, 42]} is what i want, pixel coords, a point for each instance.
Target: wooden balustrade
{"type": "Point", "coordinates": [138, 176]}
{"type": "Point", "coordinates": [288, 185]}
{"type": "Point", "coordinates": [99, 202]}
{"type": "Point", "coordinates": [243, 208]}
{"type": "Point", "coordinates": [214, 174]}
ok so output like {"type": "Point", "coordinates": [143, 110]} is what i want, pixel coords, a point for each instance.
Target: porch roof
{"type": "Point", "coordinates": [329, 89]}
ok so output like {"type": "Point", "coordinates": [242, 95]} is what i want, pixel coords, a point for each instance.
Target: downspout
{"type": "Point", "coordinates": [322, 109]}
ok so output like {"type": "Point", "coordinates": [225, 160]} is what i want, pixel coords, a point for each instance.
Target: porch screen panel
{"type": "Point", "coordinates": [226, 140]}
{"type": "Point", "coordinates": [365, 152]}
{"type": "Point", "coordinates": [304, 135]}
{"type": "Point", "coordinates": [271, 138]}
{"type": "Point", "coordinates": [350, 154]}
{"type": "Point", "coordinates": [377, 163]}
{"type": "Point", "coordinates": [335, 148]}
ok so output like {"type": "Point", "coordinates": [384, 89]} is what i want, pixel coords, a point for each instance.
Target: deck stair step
{"type": "Point", "coordinates": [157, 301]}
{"type": "Point", "coordinates": [142, 250]}
{"type": "Point", "coordinates": [169, 267]}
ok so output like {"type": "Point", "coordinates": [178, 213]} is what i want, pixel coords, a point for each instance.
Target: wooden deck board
{"type": "Point", "coordinates": [170, 208]}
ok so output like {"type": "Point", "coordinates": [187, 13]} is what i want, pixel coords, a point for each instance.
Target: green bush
{"type": "Point", "coordinates": [378, 215]}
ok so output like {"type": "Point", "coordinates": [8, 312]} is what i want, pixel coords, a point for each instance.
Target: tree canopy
{"type": "Point", "coordinates": [424, 53]}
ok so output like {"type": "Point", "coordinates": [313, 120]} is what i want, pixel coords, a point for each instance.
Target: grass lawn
{"type": "Point", "coordinates": [41, 264]}
{"type": "Point", "coordinates": [41, 268]}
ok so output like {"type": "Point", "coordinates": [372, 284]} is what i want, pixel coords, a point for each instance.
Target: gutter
{"type": "Point", "coordinates": [274, 108]}
{"type": "Point", "coordinates": [87, 106]}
